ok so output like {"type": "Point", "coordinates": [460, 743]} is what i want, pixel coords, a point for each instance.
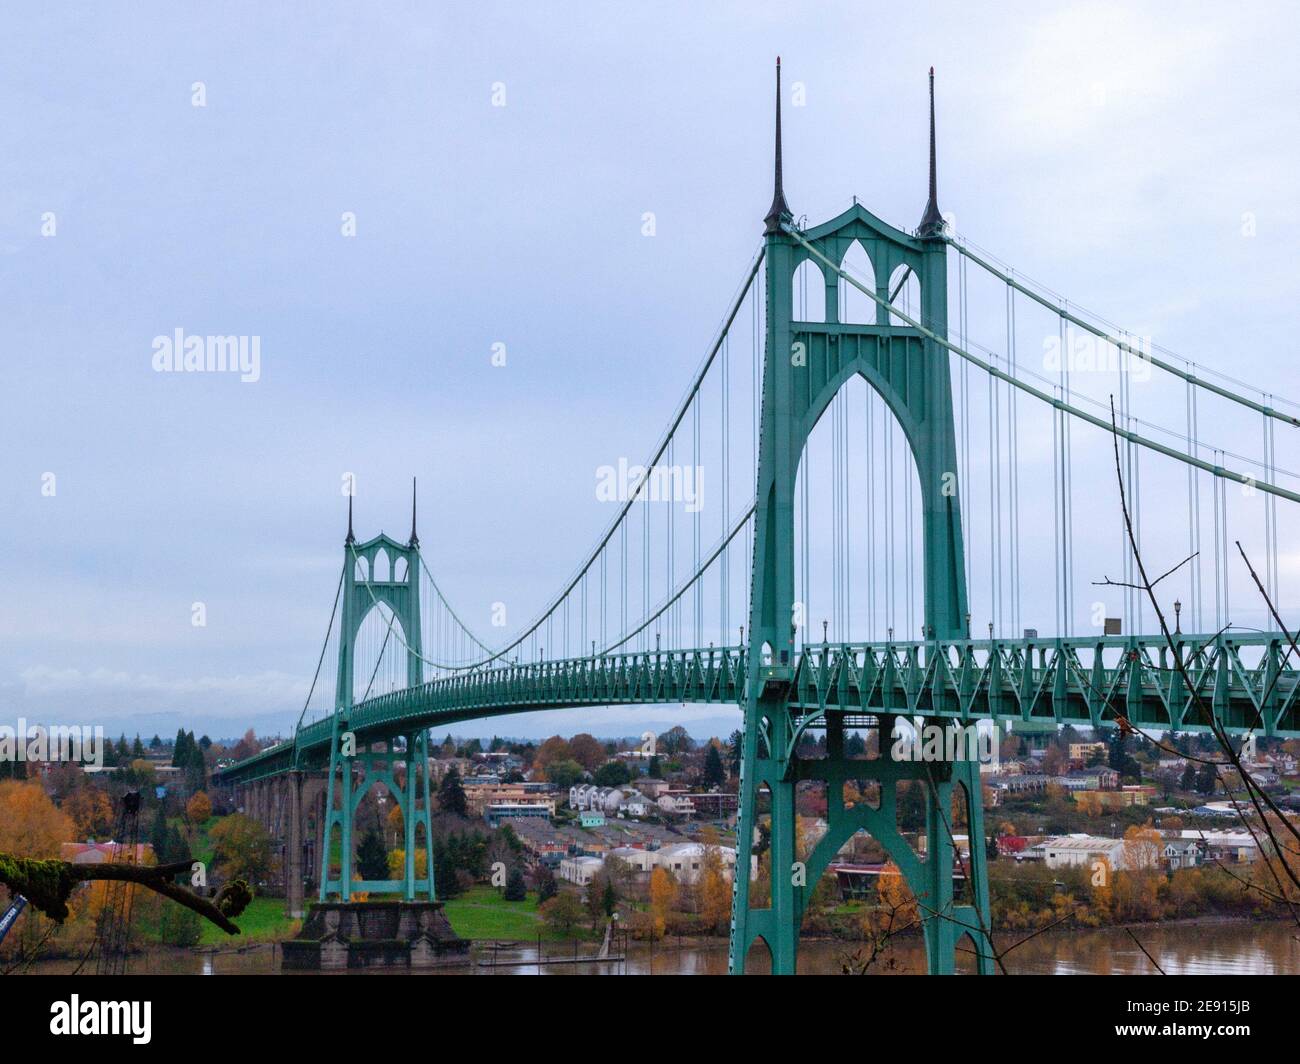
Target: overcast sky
{"type": "Point", "coordinates": [1111, 151]}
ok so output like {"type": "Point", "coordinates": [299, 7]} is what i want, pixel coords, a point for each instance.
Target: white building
{"type": "Point", "coordinates": [676, 805]}
{"type": "Point", "coordinates": [685, 860]}
{"type": "Point", "coordinates": [587, 796]}
{"type": "Point", "coordinates": [636, 805]}
{"type": "Point", "coordinates": [1072, 851]}
{"type": "Point", "coordinates": [580, 870]}
{"type": "Point", "coordinates": [1232, 847]}
{"type": "Point", "coordinates": [637, 860]}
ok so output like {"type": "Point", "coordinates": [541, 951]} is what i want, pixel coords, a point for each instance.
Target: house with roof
{"type": "Point", "coordinates": [1182, 853]}
{"type": "Point", "coordinates": [580, 870]}
{"type": "Point", "coordinates": [106, 853]}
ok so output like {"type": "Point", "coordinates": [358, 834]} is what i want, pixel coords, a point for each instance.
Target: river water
{"type": "Point", "coordinates": [1227, 947]}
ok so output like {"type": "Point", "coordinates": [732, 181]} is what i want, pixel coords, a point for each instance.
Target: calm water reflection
{"type": "Point", "coordinates": [1182, 949]}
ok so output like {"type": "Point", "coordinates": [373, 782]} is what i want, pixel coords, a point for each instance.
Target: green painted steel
{"type": "Point", "coordinates": [375, 756]}
{"type": "Point", "coordinates": [805, 366]}
{"type": "Point", "coordinates": [1083, 681]}
{"type": "Point", "coordinates": [784, 686]}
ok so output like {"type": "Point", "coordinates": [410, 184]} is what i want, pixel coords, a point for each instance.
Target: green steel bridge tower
{"type": "Point", "coordinates": [353, 769]}
{"type": "Point", "coordinates": [806, 365]}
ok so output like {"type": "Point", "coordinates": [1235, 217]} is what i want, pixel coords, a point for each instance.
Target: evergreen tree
{"type": "Point", "coordinates": [714, 776]}
{"type": "Point", "coordinates": [508, 836]}
{"type": "Point", "coordinates": [1116, 751]}
{"type": "Point", "coordinates": [137, 748]}
{"type": "Point", "coordinates": [158, 833]}
{"type": "Point", "coordinates": [612, 774]}
{"type": "Point", "coordinates": [546, 885]}
{"type": "Point", "coordinates": [654, 771]}
{"type": "Point", "coordinates": [911, 806]}
{"type": "Point", "coordinates": [734, 741]}
{"type": "Point", "coordinates": [176, 847]}
{"type": "Point", "coordinates": [179, 749]}
{"type": "Point", "coordinates": [191, 762]}
{"type": "Point", "coordinates": [516, 889]}
{"type": "Point", "coordinates": [444, 870]}
{"type": "Point", "coordinates": [451, 795]}
{"type": "Point", "coordinates": [372, 856]}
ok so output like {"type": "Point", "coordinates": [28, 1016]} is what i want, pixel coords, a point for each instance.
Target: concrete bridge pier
{"type": "Point", "coordinates": [293, 872]}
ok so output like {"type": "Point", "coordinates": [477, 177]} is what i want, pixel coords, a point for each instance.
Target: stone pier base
{"type": "Point", "coordinates": [374, 934]}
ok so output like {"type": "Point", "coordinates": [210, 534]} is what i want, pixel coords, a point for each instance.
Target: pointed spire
{"type": "Point", "coordinates": [351, 538]}
{"type": "Point", "coordinates": [779, 212]}
{"type": "Point", "coordinates": [932, 224]}
{"type": "Point", "coordinates": [415, 540]}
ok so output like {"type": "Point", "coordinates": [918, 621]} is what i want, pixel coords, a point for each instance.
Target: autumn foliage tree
{"type": "Point", "coordinates": [663, 895]}
{"type": "Point", "coordinates": [30, 824]}
{"type": "Point", "coordinates": [562, 912]}
{"type": "Point", "coordinates": [91, 812]}
{"type": "Point", "coordinates": [588, 751]}
{"type": "Point", "coordinates": [241, 848]}
{"type": "Point", "coordinates": [715, 891]}
{"type": "Point", "coordinates": [553, 749]}
{"type": "Point", "coordinates": [896, 899]}
{"type": "Point", "coordinates": [246, 747]}
{"type": "Point", "coordinates": [198, 810]}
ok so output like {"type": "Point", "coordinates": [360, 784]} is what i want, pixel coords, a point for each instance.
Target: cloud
{"type": "Point", "coordinates": [42, 679]}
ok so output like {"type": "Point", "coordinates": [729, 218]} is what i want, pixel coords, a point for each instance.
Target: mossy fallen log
{"type": "Point", "coordinates": [47, 884]}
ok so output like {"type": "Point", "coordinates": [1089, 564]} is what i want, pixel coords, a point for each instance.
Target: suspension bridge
{"type": "Point", "coordinates": [881, 468]}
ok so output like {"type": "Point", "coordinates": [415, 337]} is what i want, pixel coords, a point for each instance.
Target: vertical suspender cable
{"type": "Point", "coordinates": [1067, 496]}
{"type": "Point", "coordinates": [699, 584]}
{"type": "Point", "coordinates": [890, 621]}
{"type": "Point", "coordinates": [670, 519]}
{"type": "Point", "coordinates": [1124, 545]}
{"type": "Point", "coordinates": [1193, 511]}
{"type": "Point", "coordinates": [1270, 511]}
{"type": "Point", "coordinates": [995, 510]}
{"type": "Point", "coordinates": [965, 427]}
{"type": "Point", "coordinates": [847, 630]}
{"type": "Point", "coordinates": [725, 570]}
{"type": "Point", "coordinates": [1219, 605]}
{"type": "Point", "coordinates": [1014, 459]}
{"type": "Point", "coordinates": [871, 517]}
{"type": "Point", "coordinates": [836, 472]}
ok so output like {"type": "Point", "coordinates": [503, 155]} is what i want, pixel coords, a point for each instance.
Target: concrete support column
{"type": "Point", "coordinates": [293, 866]}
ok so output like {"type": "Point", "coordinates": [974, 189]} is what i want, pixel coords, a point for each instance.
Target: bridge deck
{"type": "Point", "coordinates": [1241, 679]}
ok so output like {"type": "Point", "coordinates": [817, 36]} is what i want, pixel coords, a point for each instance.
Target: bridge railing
{"type": "Point", "coordinates": [1242, 679]}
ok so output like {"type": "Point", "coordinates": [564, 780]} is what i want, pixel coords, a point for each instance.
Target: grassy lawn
{"type": "Point", "coordinates": [262, 921]}
{"type": "Point", "coordinates": [196, 836]}
{"type": "Point", "coordinates": [481, 913]}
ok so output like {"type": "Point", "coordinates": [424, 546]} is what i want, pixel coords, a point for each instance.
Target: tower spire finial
{"type": "Point", "coordinates": [778, 211]}
{"type": "Point", "coordinates": [415, 540]}
{"type": "Point", "coordinates": [351, 538]}
{"type": "Point", "coordinates": [932, 221]}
